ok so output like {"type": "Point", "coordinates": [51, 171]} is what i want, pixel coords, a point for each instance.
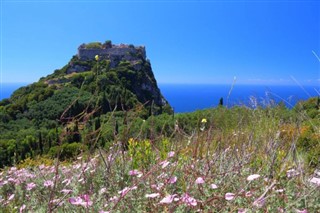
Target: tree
{"type": "Point", "coordinates": [221, 102]}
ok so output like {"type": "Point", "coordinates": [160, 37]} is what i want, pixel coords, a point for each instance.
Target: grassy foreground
{"type": "Point", "coordinates": [229, 160]}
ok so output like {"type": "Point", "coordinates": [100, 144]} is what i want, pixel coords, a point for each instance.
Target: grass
{"type": "Point", "coordinates": [231, 160]}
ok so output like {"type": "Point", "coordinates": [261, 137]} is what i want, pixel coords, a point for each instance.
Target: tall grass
{"type": "Point", "coordinates": [228, 160]}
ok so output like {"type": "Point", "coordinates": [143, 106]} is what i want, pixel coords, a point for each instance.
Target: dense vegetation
{"type": "Point", "coordinates": [242, 159]}
{"type": "Point", "coordinates": [68, 103]}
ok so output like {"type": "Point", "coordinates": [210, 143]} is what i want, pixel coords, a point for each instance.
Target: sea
{"type": "Point", "coordinates": [190, 97]}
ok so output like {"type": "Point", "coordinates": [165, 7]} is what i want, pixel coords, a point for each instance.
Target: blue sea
{"type": "Point", "coordinates": [188, 98]}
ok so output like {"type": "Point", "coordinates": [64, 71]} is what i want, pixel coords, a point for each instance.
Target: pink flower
{"type": "Point", "coordinates": [229, 196]}
{"type": "Point", "coordinates": [22, 208]}
{"type": "Point", "coordinates": [164, 164]}
{"type": "Point", "coordinates": [135, 173]}
{"type": "Point", "coordinates": [171, 154]}
{"type": "Point", "coordinates": [242, 210]}
{"type": "Point", "coordinates": [199, 180]}
{"type": "Point", "coordinates": [124, 191]}
{"type": "Point", "coordinates": [30, 186]}
{"type": "Point", "coordinates": [75, 200]}
{"type": "Point", "coordinates": [168, 199]}
{"type": "Point", "coordinates": [101, 211]}
{"type": "Point", "coordinates": [11, 197]}
{"type": "Point", "coordinates": [83, 200]}
{"type": "Point", "coordinates": [248, 194]}
{"type": "Point", "coordinates": [48, 183]}
{"type": "Point", "coordinates": [173, 179]}
{"type": "Point", "coordinates": [315, 181]}
{"type": "Point", "coordinates": [152, 195]}
{"type": "Point", "coordinates": [157, 187]}
{"type": "Point", "coordinates": [190, 201]}
{"type": "Point", "coordinates": [253, 177]}
{"type": "Point", "coordinates": [213, 186]}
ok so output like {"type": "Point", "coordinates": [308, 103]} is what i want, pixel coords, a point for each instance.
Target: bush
{"type": "Point", "coordinates": [67, 151]}
{"type": "Point", "coordinates": [94, 45]}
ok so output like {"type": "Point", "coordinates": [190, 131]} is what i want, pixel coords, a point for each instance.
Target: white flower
{"type": "Point", "coordinates": [253, 177]}
{"type": "Point", "coordinates": [153, 195]}
{"type": "Point", "coordinates": [213, 186]}
{"type": "Point", "coordinates": [315, 181]}
{"type": "Point", "coordinates": [168, 199]}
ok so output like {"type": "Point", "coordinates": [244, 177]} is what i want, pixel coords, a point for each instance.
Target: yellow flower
{"type": "Point", "coordinates": [204, 120]}
{"type": "Point", "coordinates": [97, 58]}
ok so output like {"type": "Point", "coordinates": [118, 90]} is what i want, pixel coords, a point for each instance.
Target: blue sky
{"type": "Point", "coordinates": [196, 42]}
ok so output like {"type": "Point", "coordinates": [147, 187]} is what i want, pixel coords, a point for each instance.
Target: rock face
{"type": "Point", "coordinates": [128, 62]}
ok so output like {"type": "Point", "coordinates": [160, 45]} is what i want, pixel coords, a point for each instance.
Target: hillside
{"type": "Point", "coordinates": [100, 79]}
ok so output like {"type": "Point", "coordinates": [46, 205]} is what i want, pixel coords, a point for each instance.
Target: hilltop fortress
{"type": "Point", "coordinates": [111, 52]}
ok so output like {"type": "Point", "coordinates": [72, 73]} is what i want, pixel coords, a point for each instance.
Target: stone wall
{"type": "Point", "coordinates": [119, 52]}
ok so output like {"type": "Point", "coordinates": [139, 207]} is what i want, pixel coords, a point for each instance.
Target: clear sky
{"type": "Point", "coordinates": [198, 42]}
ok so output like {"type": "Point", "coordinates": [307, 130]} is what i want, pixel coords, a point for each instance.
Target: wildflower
{"type": "Point", "coordinates": [171, 154]}
{"type": "Point", "coordinates": [157, 187]}
{"type": "Point", "coordinates": [30, 186]}
{"type": "Point", "coordinates": [167, 200]}
{"type": "Point", "coordinates": [22, 208]}
{"type": "Point", "coordinates": [11, 197]}
{"type": "Point", "coordinates": [199, 180]}
{"type": "Point", "coordinates": [248, 194]}
{"type": "Point", "coordinates": [135, 173]}
{"type": "Point", "coordinates": [279, 190]}
{"type": "Point", "coordinates": [97, 57]}
{"type": "Point", "coordinates": [57, 202]}
{"type": "Point", "coordinates": [103, 190]}
{"type": "Point", "coordinates": [164, 164]}
{"type": "Point", "coordinates": [75, 200]}
{"type": "Point", "coordinates": [229, 196]}
{"type": "Point", "coordinates": [86, 201]}
{"type": "Point", "coordinates": [83, 200]}
{"type": "Point", "coordinates": [292, 173]}
{"type": "Point", "coordinates": [114, 199]}
{"type": "Point", "coordinates": [153, 195]}
{"type": "Point", "coordinates": [173, 179]}
{"type": "Point", "coordinates": [242, 210]}
{"type": "Point", "coordinates": [204, 120]}
{"type": "Point", "coordinates": [315, 181]}
{"type": "Point", "coordinates": [213, 186]}
{"type": "Point", "coordinates": [124, 191]}
{"type": "Point", "coordinates": [253, 177]}
{"type": "Point", "coordinates": [48, 183]}
{"type": "Point", "coordinates": [190, 201]}
{"type": "Point", "coordinates": [66, 181]}
{"type": "Point", "coordinates": [101, 211]}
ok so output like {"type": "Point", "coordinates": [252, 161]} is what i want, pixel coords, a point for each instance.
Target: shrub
{"type": "Point", "coordinates": [67, 151]}
{"type": "Point", "coordinates": [94, 45]}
